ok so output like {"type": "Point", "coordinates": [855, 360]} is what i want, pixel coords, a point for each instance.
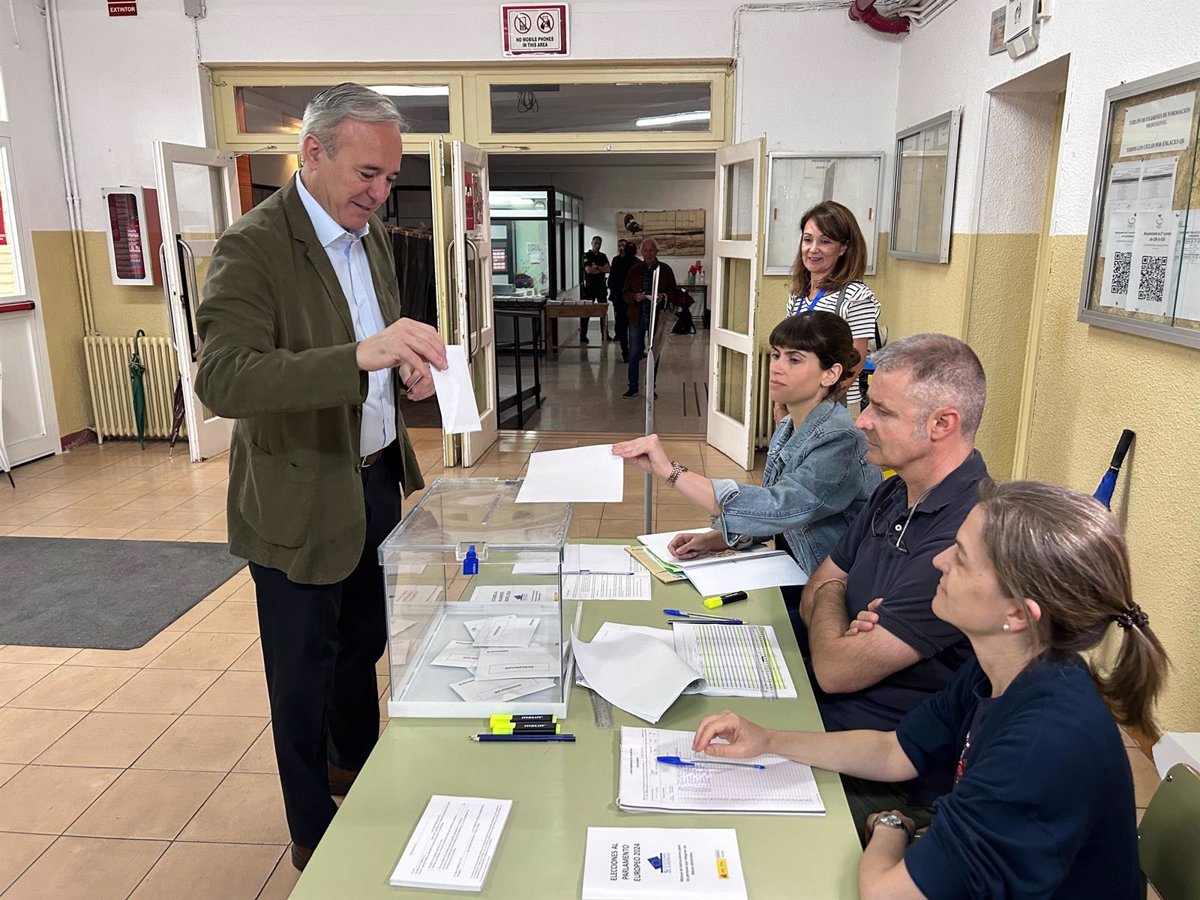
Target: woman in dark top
{"type": "Point", "coordinates": [1043, 799]}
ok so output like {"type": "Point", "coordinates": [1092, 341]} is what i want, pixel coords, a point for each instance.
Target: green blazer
{"type": "Point", "coordinates": [279, 357]}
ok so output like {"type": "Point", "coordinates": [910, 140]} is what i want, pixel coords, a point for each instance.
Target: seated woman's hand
{"type": "Point", "coordinates": [646, 453]}
{"type": "Point", "coordinates": [692, 546]}
{"type": "Point", "coordinates": [743, 738]}
{"type": "Point", "coordinates": [778, 411]}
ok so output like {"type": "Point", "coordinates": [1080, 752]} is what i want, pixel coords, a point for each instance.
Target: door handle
{"type": "Point", "coordinates": [193, 294]}
{"type": "Point", "coordinates": [474, 334]}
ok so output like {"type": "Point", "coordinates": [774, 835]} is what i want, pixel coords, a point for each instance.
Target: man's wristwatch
{"type": "Point", "coordinates": [891, 820]}
{"type": "Point", "coordinates": [677, 469]}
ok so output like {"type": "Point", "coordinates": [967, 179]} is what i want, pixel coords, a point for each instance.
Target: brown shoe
{"type": "Point", "coordinates": [301, 856]}
{"type": "Point", "coordinates": [340, 780]}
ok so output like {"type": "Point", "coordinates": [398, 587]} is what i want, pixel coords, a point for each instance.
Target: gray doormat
{"type": "Point", "coordinates": [102, 595]}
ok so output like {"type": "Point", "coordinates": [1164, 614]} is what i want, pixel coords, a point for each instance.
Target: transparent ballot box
{"type": "Point", "coordinates": [467, 635]}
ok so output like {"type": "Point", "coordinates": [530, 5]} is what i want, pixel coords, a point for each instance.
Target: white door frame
{"type": "Point", "coordinates": [734, 439]}
{"type": "Point", "coordinates": [208, 435]}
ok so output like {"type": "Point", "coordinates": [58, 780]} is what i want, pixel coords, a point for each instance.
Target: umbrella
{"type": "Point", "coordinates": [1108, 483]}
{"type": "Point", "coordinates": [176, 414]}
{"type": "Point", "coordinates": [136, 371]}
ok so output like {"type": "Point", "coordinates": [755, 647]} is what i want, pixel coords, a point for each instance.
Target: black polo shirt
{"type": "Point", "coordinates": [907, 581]}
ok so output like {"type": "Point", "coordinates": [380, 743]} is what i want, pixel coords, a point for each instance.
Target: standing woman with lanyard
{"type": "Point", "coordinates": [827, 275]}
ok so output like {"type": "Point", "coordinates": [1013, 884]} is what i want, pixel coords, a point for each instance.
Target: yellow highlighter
{"type": "Point", "coordinates": [714, 602]}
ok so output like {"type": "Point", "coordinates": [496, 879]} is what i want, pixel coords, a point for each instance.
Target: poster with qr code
{"type": "Point", "coordinates": [1118, 258]}
{"type": "Point", "coordinates": [1153, 261]}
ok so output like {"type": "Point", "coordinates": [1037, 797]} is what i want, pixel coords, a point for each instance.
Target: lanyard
{"type": "Point", "coordinates": [815, 300]}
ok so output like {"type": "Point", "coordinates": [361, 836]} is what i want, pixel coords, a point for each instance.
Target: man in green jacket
{"type": "Point", "coordinates": [304, 346]}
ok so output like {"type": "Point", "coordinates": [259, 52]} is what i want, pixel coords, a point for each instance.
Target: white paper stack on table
{"type": "Point", "coordinates": [663, 863]}
{"type": "Point", "coordinates": [644, 670]}
{"type": "Point", "coordinates": [452, 847]}
{"type": "Point", "coordinates": [593, 572]}
{"type": "Point", "coordinates": [576, 475]}
{"type": "Point", "coordinates": [646, 785]}
{"type": "Point", "coordinates": [504, 661]}
{"type": "Point", "coordinates": [733, 570]}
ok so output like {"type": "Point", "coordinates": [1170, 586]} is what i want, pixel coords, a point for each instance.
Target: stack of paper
{"type": "Point", "coordinates": [503, 659]}
{"type": "Point", "coordinates": [624, 863]}
{"type": "Point", "coordinates": [453, 844]}
{"type": "Point", "coordinates": [735, 660]}
{"type": "Point", "coordinates": [592, 572]}
{"type": "Point", "coordinates": [648, 785]}
{"type": "Point", "coordinates": [731, 570]}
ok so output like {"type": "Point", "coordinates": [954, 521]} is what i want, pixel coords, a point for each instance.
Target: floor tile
{"type": "Point", "coordinates": [44, 531]}
{"type": "Point", "coordinates": [279, 886]}
{"type": "Point", "coordinates": [16, 677]}
{"type": "Point", "coordinates": [160, 691]}
{"type": "Point", "coordinates": [1145, 776]}
{"type": "Point", "coordinates": [193, 615]}
{"type": "Point", "coordinates": [87, 869]}
{"type": "Point", "coordinates": [235, 618]}
{"type": "Point", "coordinates": [198, 650]}
{"type": "Point", "coordinates": [25, 733]}
{"type": "Point", "coordinates": [204, 536]}
{"type": "Point", "coordinates": [7, 771]}
{"type": "Point", "coordinates": [260, 757]}
{"type": "Point", "coordinates": [251, 660]}
{"type": "Point", "coordinates": [47, 799]}
{"type": "Point", "coordinates": [17, 853]}
{"type": "Point", "coordinates": [584, 528]}
{"type": "Point", "coordinates": [126, 659]}
{"type": "Point", "coordinates": [73, 687]}
{"type": "Point", "coordinates": [234, 694]}
{"type": "Point", "coordinates": [620, 528]}
{"type": "Point", "coordinates": [19, 653]}
{"type": "Point", "coordinates": [155, 534]}
{"type": "Point", "coordinates": [209, 872]}
{"type": "Point", "coordinates": [203, 743]}
{"type": "Point", "coordinates": [109, 740]}
{"type": "Point", "coordinates": [99, 534]}
{"type": "Point", "coordinates": [245, 809]}
{"type": "Point", "coordinates": [70, 516]}
{"type": "Point", "coordinates": [147, 804]}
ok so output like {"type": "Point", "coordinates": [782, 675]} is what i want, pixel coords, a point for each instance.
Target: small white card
{"type": "Point", "coordinates": [474, 691]}
{"type": "Point", "coordinates": [455, 393]}
{"type": "Point", "coordinates": [457, 654]}
{"type": "Point", "coordinates": [502, 631]}
{"type": "Point", "coordinates": [576, 475]}
{"type": "Point", "coordinates": [498, 663]}
{"type": "Point", "coordinates": [451, 848]}
{"type": "Point", "coordinates": [688, 863]}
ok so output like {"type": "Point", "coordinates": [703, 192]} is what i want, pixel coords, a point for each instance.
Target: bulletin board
{"type": "Point", "coordinates": [1142, 268]}
{"type": "Point", "coordinates": [799, 181]}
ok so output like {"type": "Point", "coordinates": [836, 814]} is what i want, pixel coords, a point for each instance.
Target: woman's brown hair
{"type": "Point", "coordinates": [1064, 551]}
{"type": "Point", "coordinates": [823, 334]}
{"type": "Point", "coordinates": [836, 223]}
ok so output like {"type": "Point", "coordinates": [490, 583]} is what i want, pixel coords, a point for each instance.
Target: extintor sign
{"type": "Point", "coordinates": [122, 8]}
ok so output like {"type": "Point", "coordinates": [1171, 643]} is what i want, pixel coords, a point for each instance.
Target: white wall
{"type": "Point", "coordinates": [945, 65]}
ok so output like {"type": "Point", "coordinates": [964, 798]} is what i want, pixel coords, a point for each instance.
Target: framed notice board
{"type": "Point", "coordinates": [1142, 265]}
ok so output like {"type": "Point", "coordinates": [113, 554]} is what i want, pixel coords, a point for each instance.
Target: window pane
{"type": "Point", "coordinates": [572, 108]}
{"type": "Point", "coordinates": [731, 399]}
{"type": "Point", "coordinates": [279, 110]}
{"type": "Point", "coordinates": [739, 201]}
{"type": "Point", "coordinates": [11, 282]}
{"type": "Point", "coordinates": [735, 295]}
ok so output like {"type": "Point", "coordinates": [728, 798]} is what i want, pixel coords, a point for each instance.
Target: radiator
{"type": "Point", "coordinates": [112, 393]}
{"type": "Point", "coordinates": [764, 422]}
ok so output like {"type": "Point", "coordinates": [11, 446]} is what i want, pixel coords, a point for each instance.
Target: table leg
{"type": "Point", "coordinates": [517, 353]}
{"type": "Point", "coordinates": [537, 378]}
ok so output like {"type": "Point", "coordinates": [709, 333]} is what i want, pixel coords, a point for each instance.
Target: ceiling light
{"type": "Point", "coordinates": [412, 90]}
{"type": "Point", "coordinates": [700, 115]}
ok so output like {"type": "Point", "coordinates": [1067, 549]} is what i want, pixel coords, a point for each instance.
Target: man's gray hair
{"type": "Point", "coordinates": [651, 241]}
{"type": "Point", "coordinates": [330, 108]}
{"type": "Point", "coordinates": [944, 372]}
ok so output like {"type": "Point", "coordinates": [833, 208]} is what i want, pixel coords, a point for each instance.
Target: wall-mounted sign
{"type": "Point", "coordinates": [122, 7]}
{"type": "Point", "coordinates": [499, 259]}
{"type": "Point", "coordinates": [534, 29]}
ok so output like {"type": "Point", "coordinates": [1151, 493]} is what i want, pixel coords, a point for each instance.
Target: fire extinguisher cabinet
{"type": "Point", "coordinates": [134, 234]}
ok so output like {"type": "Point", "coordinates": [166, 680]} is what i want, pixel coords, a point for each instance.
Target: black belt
{"type": "Point", "coordinates": [368, 461]}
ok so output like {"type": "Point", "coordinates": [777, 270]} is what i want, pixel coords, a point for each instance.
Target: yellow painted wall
{"type": "Point", "coordinates": [120, 310]}
{"type": "Point", "coordinates": [1092, 382]}
{"type": "Point", "coordinates": [916, 297]}
{"type": "Point", "coordinates": [59, 298]}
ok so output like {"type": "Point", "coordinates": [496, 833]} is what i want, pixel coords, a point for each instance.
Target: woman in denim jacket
{"type": "Point", "coordinates": [816, 477]}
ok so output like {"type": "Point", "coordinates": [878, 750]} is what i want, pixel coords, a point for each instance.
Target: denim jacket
{"type": "Point", "coordinates": [815, 482]}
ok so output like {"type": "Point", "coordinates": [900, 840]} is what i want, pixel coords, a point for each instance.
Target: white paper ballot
{"type": "Point", "coordinates": [500, 663]}
{"type": "Point", "coordinates": [455, 394]}
{"type": "Point", "coordinates": [634, 672]}
{"type": "Point", "coordinates": [607, 587]}
{"type": "Point", "coordinates": [662, 863]}
{"type": "Point", "coordinates": [502, 631]}
{"type": "Point", "coordinates": [576, 475]}
{"type": "Point", "coordinates": [513, 593]}
{"type": "Point", "coordinates": [474, 691]}
{"type": "Point", "coordinates": [457, 654]}
{"type": "Point", "coordinates": [746, 573]}
{"type": "Point", "coordinates": [453, 844]}
{"type": "Point", "coordinates": [587, 559]}
{"type": "Point", "coordinates": [646, 784]}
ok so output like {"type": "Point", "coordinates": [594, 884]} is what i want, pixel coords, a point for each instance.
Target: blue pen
{"type": "Point", "coordinates": [678, 761]}
{"type": "Point", "coordinates": [712, 620]}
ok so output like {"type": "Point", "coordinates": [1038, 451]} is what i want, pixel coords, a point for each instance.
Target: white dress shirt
{"type": "Point", "coordinates": [349, 259]}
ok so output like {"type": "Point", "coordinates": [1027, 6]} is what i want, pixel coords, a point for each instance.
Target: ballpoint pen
{"type": "Point", "coordinates": [522, 738]}
{"type": "Point", "coordinates": [713, 620]}
{"type": "Point", "coordinates": [678, 761]}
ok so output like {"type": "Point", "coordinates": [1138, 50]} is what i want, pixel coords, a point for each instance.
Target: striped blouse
{"type": "Point", "coordinates": [856, 304]}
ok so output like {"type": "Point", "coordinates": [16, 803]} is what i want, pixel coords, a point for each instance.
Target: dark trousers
{"type": "Point", "coordinates": [637, 343]}
{"type": "Point", "coordinates": [620, 324]}
{"type": "Point", "coordinates": [320, 643]}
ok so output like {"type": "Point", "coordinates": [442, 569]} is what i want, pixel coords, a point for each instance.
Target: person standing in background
{"type": "Point", "coordinates": [621, 264]}
{"type": "Point", "coordinates": [595, 287]}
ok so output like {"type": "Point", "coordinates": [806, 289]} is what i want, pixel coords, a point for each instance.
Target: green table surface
{"type": "Point", "coordinates": [558, 790]}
